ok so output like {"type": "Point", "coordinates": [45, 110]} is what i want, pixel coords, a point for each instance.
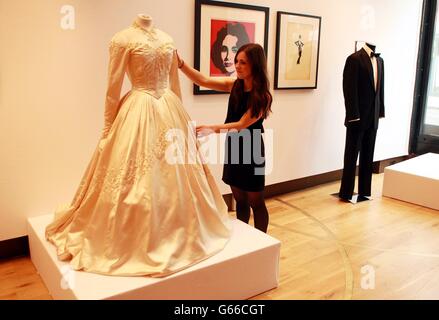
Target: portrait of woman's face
{"type": "Point", "coordinates": [226, 38]}
{"type": "Point", "coordinates": [228, 51]}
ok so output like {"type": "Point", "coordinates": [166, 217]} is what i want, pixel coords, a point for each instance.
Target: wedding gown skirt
{"type": "Point", "coordinates": [135, 213]}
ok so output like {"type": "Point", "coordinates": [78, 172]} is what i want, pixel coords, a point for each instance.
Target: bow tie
{"type": "Point", "coordinates": [373, 54]}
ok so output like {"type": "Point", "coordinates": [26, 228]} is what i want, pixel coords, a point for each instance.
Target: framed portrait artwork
{"type": "Point", "coordinates": [297, 51]}
{"type": "Point", "coordinates": [221, 28]}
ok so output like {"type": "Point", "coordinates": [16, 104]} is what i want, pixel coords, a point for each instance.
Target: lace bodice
{"type": "Point", "coordinates": [149, 60]}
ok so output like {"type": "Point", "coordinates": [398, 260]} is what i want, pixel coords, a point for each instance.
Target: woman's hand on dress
{"type": "Point", "coordinates": [180, 61]}
{"type": "Point", "coordinates": [204, 130]}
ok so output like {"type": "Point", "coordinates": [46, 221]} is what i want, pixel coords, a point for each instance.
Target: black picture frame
{"type": "Point", "coordinates": [229, 12]}
{"type": "Point", "coordinates": [288, 73]}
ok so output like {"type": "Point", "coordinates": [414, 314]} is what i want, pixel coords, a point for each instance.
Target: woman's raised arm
{"type": "Point", "coordinates": [218, 84]}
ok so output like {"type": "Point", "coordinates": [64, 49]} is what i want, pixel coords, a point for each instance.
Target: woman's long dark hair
{"type": "Point", "coordinates": [260, 98]}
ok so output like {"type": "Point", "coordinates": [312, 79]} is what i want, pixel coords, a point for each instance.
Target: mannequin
{"type": "Point", "coordinates": [135, 213]}
{"type": "Point", "coordinates": [371, 46]}
{"type": "Point", "coordinates": [363, 89]}
{"type": "Point", "coordinates": [144, 21]}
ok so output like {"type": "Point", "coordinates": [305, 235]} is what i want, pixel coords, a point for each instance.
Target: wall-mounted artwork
{"type": "Point", "coordinates": [297, 51]}
{"type": "Point", "coordinates": [221, 28]}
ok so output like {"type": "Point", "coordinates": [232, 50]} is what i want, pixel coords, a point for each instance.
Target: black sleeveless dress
{"type": "Point", "coordinates": [244, 163]}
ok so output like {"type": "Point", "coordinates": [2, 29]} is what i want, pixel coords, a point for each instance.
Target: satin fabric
{"type": "Point", "coordinates": [135, 213]}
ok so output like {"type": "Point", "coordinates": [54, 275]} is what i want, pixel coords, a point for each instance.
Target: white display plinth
{"type": "Point", "coordinates": [248, 266]}
{"type": "Point", "coordinates": [415, 181]}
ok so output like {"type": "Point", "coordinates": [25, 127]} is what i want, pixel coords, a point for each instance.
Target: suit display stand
{"type": "Point", "coordinates": [356, 198]}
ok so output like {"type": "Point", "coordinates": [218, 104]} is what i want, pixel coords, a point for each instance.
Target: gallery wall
{"type": "Point", "coordinates": [53, 82]}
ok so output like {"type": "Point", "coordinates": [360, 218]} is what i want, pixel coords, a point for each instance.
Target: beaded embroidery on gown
{"type": "Point", "coordinates": [135, 213]}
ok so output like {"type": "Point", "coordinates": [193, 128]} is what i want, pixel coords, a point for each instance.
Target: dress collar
{"type": "Point", "coordinates": [150, 32]}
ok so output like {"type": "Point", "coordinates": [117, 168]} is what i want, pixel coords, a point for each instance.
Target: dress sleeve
{"type": "Point", "coordinates": [174, 80]}
{"type": "Point", "coordinates": [382, 113]}
{"type": "Point", "coordinates": [350, 89]}
{"type": "Point", "coordinates": [116, 72]}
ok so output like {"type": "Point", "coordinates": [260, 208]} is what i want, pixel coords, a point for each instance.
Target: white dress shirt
{"type": "Point", "coordinates": [373, 60]}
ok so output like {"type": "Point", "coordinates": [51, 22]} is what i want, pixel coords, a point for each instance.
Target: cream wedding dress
{"type": "Point", "coordinates": [136, 213]}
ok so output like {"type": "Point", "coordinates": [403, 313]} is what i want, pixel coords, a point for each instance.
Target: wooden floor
{"type": "Point", "coordinates": [379, 249]}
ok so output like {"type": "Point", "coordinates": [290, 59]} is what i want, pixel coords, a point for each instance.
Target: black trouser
{"type": "Point", "coordinates": [358, 140]}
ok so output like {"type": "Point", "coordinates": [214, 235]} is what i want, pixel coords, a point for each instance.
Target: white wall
{"type": "Point", "coordinates": [52, 86]}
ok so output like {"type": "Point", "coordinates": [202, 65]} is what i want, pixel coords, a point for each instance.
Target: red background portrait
{"type": "Point", "coordinates": [216, 26]}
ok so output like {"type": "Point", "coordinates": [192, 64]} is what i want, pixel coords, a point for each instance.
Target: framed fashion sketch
{"type": "Point", "coordinates": [297, 51]}
{"type": "Point", "coordinates": [221, 28]}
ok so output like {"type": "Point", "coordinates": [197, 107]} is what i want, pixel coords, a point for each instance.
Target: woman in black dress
{"type": "Point", "coordinates": [249, 104]}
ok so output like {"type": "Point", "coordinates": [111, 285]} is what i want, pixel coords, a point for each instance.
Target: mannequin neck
{"type": "Point", "coordinates": [371, 46]}
{"type": "Point", "coordinates": [144, 21]}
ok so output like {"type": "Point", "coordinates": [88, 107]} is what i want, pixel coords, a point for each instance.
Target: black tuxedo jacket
{"type": "Point", "coordinates": [361, 99]}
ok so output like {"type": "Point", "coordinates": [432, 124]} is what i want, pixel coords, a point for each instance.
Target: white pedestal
{"type": "Point", "coordinates": [248, 266]}
{"type": "Point", "coordinates": [415, 181]}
